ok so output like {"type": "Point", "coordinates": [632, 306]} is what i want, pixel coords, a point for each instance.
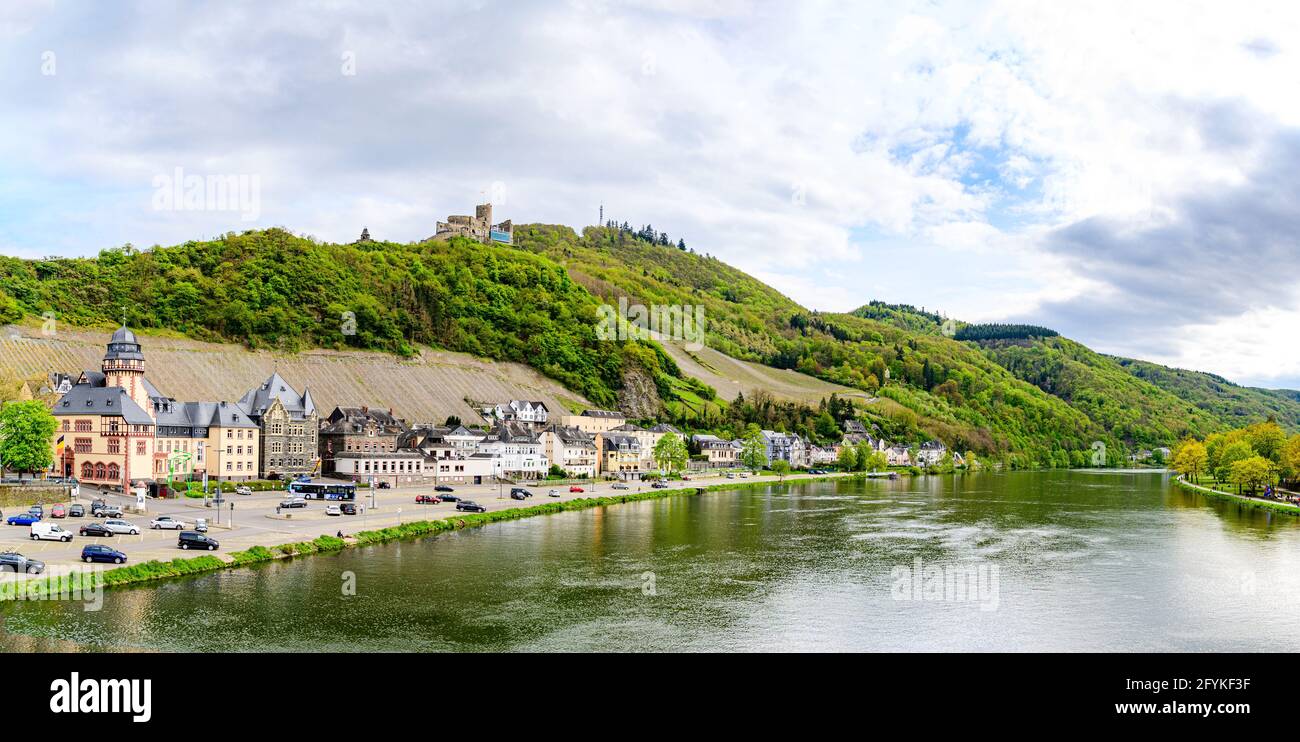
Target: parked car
{"type": "Point", "coordinates": [37, 510]}
{"type": "Point", "coordinates": [685, 478]}
{"type": "Point", "coordinates": [97, 530]}
{"type": "Point", "coordinates": [554, 493]}
{"type": "Point", "coordinates": [385, 486]}
{"type": "Point", "coordinates": [58, 511]}
{"type": "Point", "coordinates": [77, 510]}
{"type": "Point", "coordinates": [427, 499]}
{"type": "Point", "coordinates": [517, 495]}
{"type": "Point", "coordinates": [50, 532]}
{"type": "Point", "coordinates": [12, 561]}
{"type": "Point", "coordinates": [731, 475]}
{"type": "Point", "coordinates": [244, 489]}
{"type": "Point", "coordinates": [167, 522]}
{"type": "Point", "coordinates": [443, 488]}
{"type": "Point", "coordinates": [119, 526]}
{"type": "Point", "coordinates": [23, 519]}
{"type": "Point", "coordinates": [100, 553]}
{"type": "Point", "coordinates": [620, 486]}
{"type": "Point", "coordinates": [520, 491]}
{"type": "Point", "coordinates": [445, 497]}
{"type": "Point", "coordinates": [575, 488]}
{"type": "Point", "coordinates": [196, 540]}
{"type": "Point", "coordinates": [96, 505]}
{"type": "Point", "coordinates": [348, 508]}
{"type": "Point", "coordinates": [201, 525]}
{"type": "Point", "coordinates": [110, 511]}
{"type": "Point", "coordinates": [470, 506]}
{"type": "Point", "coordinates": [659, 485]}
{"type": "Point", "coordinates": [293, 502]}
{"type": "Point", "coordinates": [333, 510]}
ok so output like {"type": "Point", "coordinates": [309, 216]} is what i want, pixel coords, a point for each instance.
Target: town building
{"type": "Point", "coordinates": [571, 449]}
{"type": "Point", "coordinates": [931, 453]}
{"type": "Point", "coordinates": [289, 427]}
{"type": "Point", "coordinates": [823, 454]}
{"type": "Point", "coordinates": [392, 467]}
{"type": "Point", "coordinates": [439, 442]}
{"type": "Point", "coordinates": [898, 456]}
{"type": "Point", "coordinates": [115, 428]}
{"type": "Point", "coordinates": [358, 430]}
{"type": "Point", "coordinates": [592, 422]}
{"type": "Point", "coordinates": [517, 451]}
{"type": "Point", "coordinates": [621, 455]}
{"type": "Point", "coordinates": [521, 411]}
{"type": "Point", "coordinates": [719, 453]}
{"type": "Point", "coordinates": [785, 447]}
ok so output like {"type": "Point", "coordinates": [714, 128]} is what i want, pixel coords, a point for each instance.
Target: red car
{"type": "Point", "coordinates": [427, 499]}
{"type": "Point", "coordinates": [575, 488]}
{"type": "Point", "coordinates": [58, 511]}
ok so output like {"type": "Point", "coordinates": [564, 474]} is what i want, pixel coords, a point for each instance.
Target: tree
{"type": "Point", "coordinates": [26, 434]}
{"type": "Point", "coordinates": [1191, 459]}
{"type": "Point", "coordinates": [1267, 438]}
{"type": "Point", "coordinates": [452, 421]}
{"type": "Point", "coordinates": [670, 453]}
{"type": "Point", "coordinates": [1231, 454]}
{"type": "Point", "coordinates": [848, 459]}
{"type": "Point", "coordinates": [826, 427]}
{"type": "Point", "coordinates": [1291, 458]}
{"type": "Point", "coordinates": [877, 461]}
{"type": "Point", "coordinates": [781, 467]}
{"type": "Point", "coordinates": [753, 451]}
{"type": "Point", "coordinates": [1251, 473]}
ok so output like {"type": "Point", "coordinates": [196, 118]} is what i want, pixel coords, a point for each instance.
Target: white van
{"type": "Point", "coordinates": [50, 532]}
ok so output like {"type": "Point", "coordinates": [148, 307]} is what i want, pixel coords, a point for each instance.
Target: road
{"type": "Point", "coordinates": [256, 522]}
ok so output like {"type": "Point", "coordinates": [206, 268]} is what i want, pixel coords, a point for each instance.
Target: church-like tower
{"type": "Point", "coordinates": [123, 367]}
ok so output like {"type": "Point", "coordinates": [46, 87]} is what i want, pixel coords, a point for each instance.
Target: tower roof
{"type": "Point", "coordinates": [123, 346]}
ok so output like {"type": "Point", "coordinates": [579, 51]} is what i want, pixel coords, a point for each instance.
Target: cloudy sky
{"type": "Point", "coordinates": [1125, 173]}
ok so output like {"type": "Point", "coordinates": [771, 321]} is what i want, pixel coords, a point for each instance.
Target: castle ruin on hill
{"type": "Point", "coordinates": [478, 227]}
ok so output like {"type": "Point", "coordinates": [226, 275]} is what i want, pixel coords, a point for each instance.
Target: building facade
{"type": "Point", "coordinates": [289, 427]}
{"type": "Point", "coordinates": [571, 449]}
{"type": "Point", "coordinates": [358, 430]}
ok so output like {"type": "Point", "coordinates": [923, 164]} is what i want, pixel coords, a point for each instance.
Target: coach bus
{"type": "Point", "coordinates": [324, 491]}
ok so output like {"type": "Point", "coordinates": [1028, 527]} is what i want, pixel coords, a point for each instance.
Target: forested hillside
{"type": "Point", "coordinates": [1011, 391]}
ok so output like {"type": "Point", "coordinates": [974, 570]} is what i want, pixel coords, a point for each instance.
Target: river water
{"type": "Point", "coordinates": [1090, 561]}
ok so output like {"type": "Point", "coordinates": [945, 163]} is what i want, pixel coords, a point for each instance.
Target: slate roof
{"type": "Point", "coordinates": [256, 401]}
{"type": "Point", "coordinates": [85, 399]}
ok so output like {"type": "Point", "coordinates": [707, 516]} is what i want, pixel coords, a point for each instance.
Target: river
{"type": "Point", "coordinates": [1027, 561]}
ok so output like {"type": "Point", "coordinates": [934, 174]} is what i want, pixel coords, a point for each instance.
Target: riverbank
{"type": "Point", "coordinates": [1253, 502]}
{"type": "Point", "coordinates": [33, 588]}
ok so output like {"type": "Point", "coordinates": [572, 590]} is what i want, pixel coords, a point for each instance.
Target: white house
{"type": "Point", "coordinates": [931, 453]}
{"type": "Point", "coordinates": [517, 449]}
{"type": "Point", "coordinates": [522, 411]}
{"type": "Point", "coordinates": [570, 449]}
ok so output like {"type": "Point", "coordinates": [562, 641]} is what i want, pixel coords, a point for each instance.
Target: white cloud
{"type": "Point", "coordinates": [829, 148]}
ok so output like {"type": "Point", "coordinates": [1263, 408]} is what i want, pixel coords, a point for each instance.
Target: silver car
{"type": "Point", "coordinates": [119, 526]}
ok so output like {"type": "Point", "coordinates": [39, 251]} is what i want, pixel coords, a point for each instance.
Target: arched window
{"type": "Point", "coordinates": [114, 473]}
{"type": "Point", "coordinates": [101, 472]}
{"type": "Point", "coordinates": [87, 471]}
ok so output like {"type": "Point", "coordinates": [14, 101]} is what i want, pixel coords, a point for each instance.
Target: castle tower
{"type": "Point", "coordinates": [123, 366]}
{"type": "Point", "coordinates": [483, 215]}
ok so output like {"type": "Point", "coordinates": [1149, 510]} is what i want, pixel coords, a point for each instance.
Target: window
{"type": "Point", "coordinates": [114, 472]}
{"type": "Point", "coordinates": [83, 426]}
{"type": "Point", "coordinates": [81, 445]}
{"type": "Point", "coordinates": [65, 424]}
{"type": "Point", "coordinates": [87, 471]}
{"type": "Point", "coordinates": [227, 466]}
{"type": "Point", "coordinates": [114, 445]}
{"type": "Point", "coordinates": [139, 448]}
{"type": "Point", "coordinates": [101, 472]}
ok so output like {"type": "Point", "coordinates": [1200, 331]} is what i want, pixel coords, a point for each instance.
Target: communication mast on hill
{"type": "Point", "coordinates": [601, 223]}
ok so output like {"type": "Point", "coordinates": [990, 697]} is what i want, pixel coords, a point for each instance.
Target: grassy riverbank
{"type": "Point", "coordinates": [1253, 502]}
{"type": "Point", "coordinates": [180, 567]}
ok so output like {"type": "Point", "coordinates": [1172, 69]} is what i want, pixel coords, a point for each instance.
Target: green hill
{"type": "Point", "coordinates": [1036, 401]}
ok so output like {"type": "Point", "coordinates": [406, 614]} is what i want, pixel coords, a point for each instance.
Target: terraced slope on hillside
{"type": "Point", "coordinates": [424, 388]}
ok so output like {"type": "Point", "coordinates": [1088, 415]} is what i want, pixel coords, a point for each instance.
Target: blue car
{"type": "Point", "coordinates": [23, 519]}
{"type": "Point", "coordinates": [101, 553]}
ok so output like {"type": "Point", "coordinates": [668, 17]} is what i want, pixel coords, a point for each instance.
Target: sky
{"type": "Point", "coordinates": [1124, 173]}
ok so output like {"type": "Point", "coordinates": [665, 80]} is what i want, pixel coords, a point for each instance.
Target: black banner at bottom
{"type": "Point", "coordinates": [319, 691]}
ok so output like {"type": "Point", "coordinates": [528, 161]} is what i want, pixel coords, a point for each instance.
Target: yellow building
{"type": "Point", "coordinates": [115, 428]}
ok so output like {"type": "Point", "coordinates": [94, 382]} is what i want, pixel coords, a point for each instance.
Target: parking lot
{"type": "Point", "coordinates": [256, 522]}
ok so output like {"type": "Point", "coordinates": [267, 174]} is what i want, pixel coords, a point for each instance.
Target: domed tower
{"type": "Point", "coordinates": [123, 366]}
